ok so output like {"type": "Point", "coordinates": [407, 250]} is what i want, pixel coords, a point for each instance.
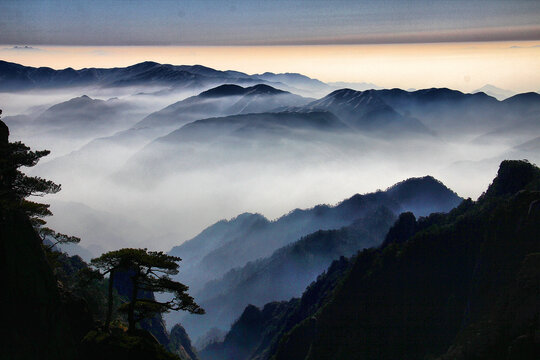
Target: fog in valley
{"type": "Point", "coordinates": [258, 180]}
{"type": "Point", "coordinates": [228, 162]}
{"type": "Point", "coordinates": [167, 186]}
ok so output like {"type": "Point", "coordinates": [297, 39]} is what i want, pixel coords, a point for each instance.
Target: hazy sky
{"type": "Point", "coordinates": [256, 22]}
{"type": "Point", "coordinates": [408, 44]}
{"type": "Point", "coordinates": [462, 66]}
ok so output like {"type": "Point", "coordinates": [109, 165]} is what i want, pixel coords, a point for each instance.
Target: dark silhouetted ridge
{"type": "Point", "coordinates": [524, 97]}
{"type": "Point", "coordinates": [235, 90]}
{"type": "Point", "coordinates": [263, 89]}
{"type": "Point", "coordinates": [512, 177]}
{"type": "Point", "coordinates": [313, 239]}
{"type": "Point", "coordinates": [224, 90]}
{"type": "Point", "coordinates": [366, 110]}
{"type": "Point", "coordinates": [416, 192]}
{"type": "Point", "coordinates": [450, 286]}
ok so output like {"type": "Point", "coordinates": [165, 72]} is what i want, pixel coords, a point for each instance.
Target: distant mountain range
{"type": "Point", "coordinates": [296, 81]}
{"type": "Point", "coordinates": [296, 260]}
{"type": "Point", "coordinates": [68, 125]}
{"type": "Point", "coordinates": [79, 117]}
{"type": "Point", "coordinates": [250, 138]}
{"type": "Point", "coordinates": [443, 112]}
{"type": "Point", "coordinates": [365, 110]}
{"type": "Point", "coordinates": [431, 115]}
{"type": "Point", "coordinates": [452, 114]}
{"type": "Point", "coordinates": [121, 143]}
{"type": "Point", "coordinates": [227, 99]}
{"type": "Point", "coordinates": [15, 77]}
{"type": "Point", "coordinates": [358, 86]}
{"type": "Point", "coordinates": [497, 93]}
{"type": "Point", "coordinates": [408, 272]}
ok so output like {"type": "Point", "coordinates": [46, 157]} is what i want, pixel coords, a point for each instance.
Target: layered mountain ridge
{"type": "Point", "coordinates": [428, 291]}
{"type": "Point", "coordinates": [261, 252]}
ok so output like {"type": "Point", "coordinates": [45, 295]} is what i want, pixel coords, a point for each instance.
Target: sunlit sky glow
{"type": "Point", "coordinates": [463, 66]}
{"type": "Point", "coordinates": [408, 44]}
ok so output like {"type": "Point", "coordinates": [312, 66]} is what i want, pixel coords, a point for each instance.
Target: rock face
{"type": "Point", "coordinates": [34, 323]}
{"type": "Point", "coordinates": [177, 342]}
{"type": "Point", "coordinates": [180, 343]}
{"type": "Point", "coordinates": [155, 325]}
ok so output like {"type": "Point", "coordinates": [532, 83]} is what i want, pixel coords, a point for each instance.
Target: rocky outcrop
{"type": "Point", "coordinates": [34, 322]}
{"type": "Point", "coordinates": [180, 343]}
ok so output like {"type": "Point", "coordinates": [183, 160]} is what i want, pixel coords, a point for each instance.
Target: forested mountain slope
{"type": "Point", "coordinates": [471, 273]}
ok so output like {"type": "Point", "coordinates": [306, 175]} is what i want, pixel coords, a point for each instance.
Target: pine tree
{"type": "Point", "coordinates": [150, 271]}
{"type": "Point", "coordinates": [16, 187]}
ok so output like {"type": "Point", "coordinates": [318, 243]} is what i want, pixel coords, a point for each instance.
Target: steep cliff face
{"type": "Point", "coordinates": [155, 325]}
{"type": "Point", "coordinates": [180, 343]}
{"type": "Point", "coordinates": [177, 342]}
{"type": "Point", "coordinates": [34, 322]}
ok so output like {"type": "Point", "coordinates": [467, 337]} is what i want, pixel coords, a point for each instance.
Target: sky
{"type": "Point", "coordinates": [408, 44]}
{"type": "Point", "coordinates": [256, 22]}
{"type": "Point", "coordinates": [462, 45]}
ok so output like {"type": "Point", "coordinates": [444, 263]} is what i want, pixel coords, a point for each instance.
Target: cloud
{"type": "Point", "coordinates": [99, 52]}
{"type": "Point", "coordinates": [22, 48]}
{"type": "Point", "coordinates": [524, 47]}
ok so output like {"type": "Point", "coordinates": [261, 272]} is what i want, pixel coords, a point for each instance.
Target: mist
{"type": "Point", "coordinates": [239, 178]}
{"type": "Point", "coordinates": [167, 191]}
{"type": "Point", "coordinates": [175, 207]}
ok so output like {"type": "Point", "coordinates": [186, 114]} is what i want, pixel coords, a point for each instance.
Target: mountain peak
{"type": "Point", "coordinates": [224, 90]}
{"type": "Point", "coordinates": [513, 176]}
{"type": "Point", "coordinates": [411, 184]}
{"type": "Point", "coordinates": [83, 99]}
{"type": "Point", "coordinates": [428, 179]}
{"type": "Point", "coordinates": [419, 193]}
{"type": "Point", "coordinates": [349, 94]}
{"type": "Point", "coordinates": [80, 100]}
{"type": "Point", "coordinates": [524, 97]}
{"type": "Point", "coordinates": [143, 65]}
{"type": "Point", "coordinates": [236, 90]}
{"type": "Point", "coordinates": [351, 101]}
{"type": "Point", "coordinates": [496, 92]}
{"type": "Point", "coordinates": [263, 89]}
{"type": "Point", "coordinates": [342, 92]}
{"type": "Point", "coordinates": [440, 93]}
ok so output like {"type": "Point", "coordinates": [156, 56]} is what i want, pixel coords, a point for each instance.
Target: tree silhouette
{"type": "Point", "coordinates": [15, 186]}
{"type": "Point", "coordinates": [149, 271]}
